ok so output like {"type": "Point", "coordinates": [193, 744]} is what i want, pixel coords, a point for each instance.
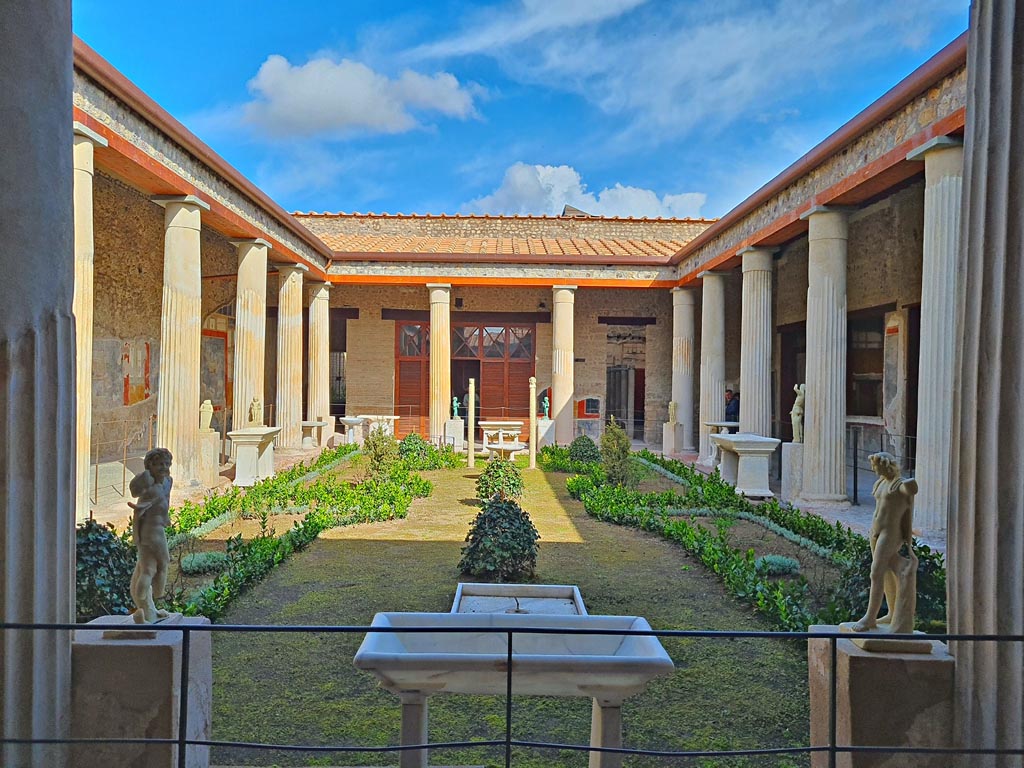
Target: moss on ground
{"type": "Point", "coordinates": [283, 688]}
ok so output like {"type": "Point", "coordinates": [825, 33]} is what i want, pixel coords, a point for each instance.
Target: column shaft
{"type": "Point", "coordinates": [943, 171]}
{"type": "Point", "coordinates": [986, 522]}
{"type": "Point", "coordinates": [177, 407]}
{"type": "Point", "coordinates": [563, 355]}
{"type": "Point", "coordinates": [37, 380]}
{"type": "Point", "coordinates": [250, 328]}
{"type": "Point", "coordinates": [825, 409]}
{"type": "Point", "coordinates": [712, 358]}
{"type": "Point", "coordinates": [756, 343]}
{"type": "Point", "coordinates": [318, 399]}
{"type": "Point", "coordinates": [288, 414]}
{"type": "Point", "coordinates": [683, 337]}
{"type": "Point", "coordinates": [440, 357]}
{"type": "Point", "coordinates": [85, 141]}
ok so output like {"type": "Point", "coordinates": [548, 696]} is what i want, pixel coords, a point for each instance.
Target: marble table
{"type": "Point", "coordinates": [311, 433]}
{"type": "Point", "coordinates": [254, 454]}
{"type": "Point", "coordinates": [499, 431]}
{"type": "Point", "coordinates": [718, 427]}
{"type": "Point", "coordinates": [384, 421]}
{"type": "Point", "coordinates": [745, 460]}
{"type": "Point", "coordinates": [353, 428]}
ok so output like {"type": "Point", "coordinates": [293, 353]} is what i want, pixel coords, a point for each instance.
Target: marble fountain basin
{"type": "Point", "coordinates": [607, 666]}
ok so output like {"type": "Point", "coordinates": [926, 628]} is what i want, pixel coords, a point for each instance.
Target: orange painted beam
{"type": "Point", "coordinates": [512, 282]}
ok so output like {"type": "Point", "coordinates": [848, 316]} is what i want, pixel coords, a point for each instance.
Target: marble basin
{"type": "Point", "coordinates": [557, 599]}
{"type": "Point", "coordinates": [610, 667]}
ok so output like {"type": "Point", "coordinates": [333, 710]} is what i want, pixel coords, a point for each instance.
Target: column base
{"type": "Point", "coordinates": [835, 500]}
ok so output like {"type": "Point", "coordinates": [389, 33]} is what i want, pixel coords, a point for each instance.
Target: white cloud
{"type": "Point", "coordinates": [545, 189]}
{"type": "Point", "coordinates": [333, 98]}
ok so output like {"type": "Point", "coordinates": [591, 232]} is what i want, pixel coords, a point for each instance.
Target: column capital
{"type": "Point", "coordinates": [432, 286]}
{"type": "Point", "coordinates": [757, 259]}
{"type": "Point", "coordinates": [564, 293]}
{"type": "Point", "coordinates": [440, 293]}
{"type": "Point", "coordinates": [828, 222]}
{"type": "Point", "coordinates": [287, 268]}
{"type": "Point", "coordinates": [167, 200]}
{"type": "Point", "coordinates": [318, 291]}
{"type": "Point", "coordinates": [85, 132]}
{"type": "Point", "coordinates": [939, 142]}
{"type": "Point", "coordinates": [257, 241]}
{"type": "Point", "coordinates": [816, 210]}
{"type": "Point", "coordinates": [682, 295]}
{"type": "Point", "coordinates": [713, 273]}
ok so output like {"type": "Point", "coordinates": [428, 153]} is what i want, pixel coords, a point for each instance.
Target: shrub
{"type": "Point", "coordinates": [381, 451]}
{"type": "Point", "coordinates": [103, 571]}
{"type": "Point", "coordinates": [198, 563]}
{"type": "Point", "coordinates": [501, 478]}
{"type": "Point", "coordinates": [615, 456]}
{"type": "Point", "coordinates": [502, 543]}
{"type": "Point", "coordinates": [584, 450]}
{"type": "Point", "coordinates": [777, 565]}
{"type": "Point", "coordinates": [417, 454]}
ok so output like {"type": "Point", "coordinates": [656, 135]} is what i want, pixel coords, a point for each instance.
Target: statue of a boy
{"type": "Point", "coordinates": [797, 414]}
{"type": "Point", "coordinates": [455, 407]}
{"type": "Point", "coordinates": [151, 515]}
{"type": "Point", "coordinates": [545, 403]}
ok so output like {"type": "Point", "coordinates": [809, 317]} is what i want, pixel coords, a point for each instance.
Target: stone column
{"type": "Point", "coordinates": [181, 326]}
{"type": "Point", "coordinates": [683, 303]}
{"type": "Point", "coordinates": [533, 422]}
{"type": "Point", "coordinates": [756, 343]}
{"type": "Point", "coordinates": [250, 327]}
{"type": "Point", "coordinates": [440, 357]}
{"type": "Point", "coordinates": [318, 398]}
{"type": "Point", "coordinates": [986, 521]}
{"type": "Point", "coordinates": [943, 194]}
{"type": "Point", "coordinates": [37, 379]}
{"type": "Point", "coordinates": [288, 414]}
{"type": "Point", "coordinates": [85, 141]}
{"type": "Point", "coordinates": [824, 478]}
{"type": "Point", "coordinates": [563, 355]}
{"type": "Point", "coordinates": [712, 358]}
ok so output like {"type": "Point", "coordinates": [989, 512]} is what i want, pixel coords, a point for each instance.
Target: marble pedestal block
{"type": "Point", "coordinates": [792, 470]}
{"type": "Point", "coordinates": [545, 432]}
{"type": "Point", "coordinates": [455, 433]}
{"type": "Point", "coordinates": [209, 458]}
{"type": "Point", "coordinates": [882, 699]}
{"type": "Point", "coordinates": [254, 454]}
{"type": "Point", "coordinates": [668, 438]}
{"type": "Point", "coordinates": [745, 461]}
{"type": "Point", "coordinates": [130, 688]}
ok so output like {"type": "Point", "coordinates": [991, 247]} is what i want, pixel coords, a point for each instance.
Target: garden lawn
{"type": "Point", "coordinates": [290, 688]}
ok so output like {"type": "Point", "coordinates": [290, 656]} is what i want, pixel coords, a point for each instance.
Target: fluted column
{"type": "Point", "coordinates": [712, 357]}
{"type": "Point", "coordinates": [440, 357]}
{"type": "Point", "coordinates": [986, 521]}
{"type": "Point", "coordinates": [756, 342]}
{"type": "Point", "coordinates": [318, 398]}
{"type": "Point", "coordinates": [563, 356]}
{"type": "Point", "coordinates": [181, 327]}
{"type": "Point", "coordinates": [250, 327]}
{"type": "Point", "coordinates": [288, 414]}
{"type": "Point", "coordinates": [943, 195]}
{"type": "Point", "coordinates": [683, 328]}
{"type": "Point", "coordinates": [85, 141]}
{"type": "Point", "coordinates": [825, 408]}
{"type": "Point", "coordinates": [37, 379]}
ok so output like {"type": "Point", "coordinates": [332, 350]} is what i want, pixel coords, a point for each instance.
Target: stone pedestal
{"type": "Point", "coordinates": [668, 438]}
{"type": "Point", "coordinates": [792, 470]}
{"type": "Point", "coordinates": [209, 458]}
{"type": "Point", "coordinates": [545, 432]}
{"type": "Point", "coordinates": [254, 454]}
{"type": "Point", "coordinates": [353, 429]}
{"type": "Point", "coordinates": [454, 433]}
{"type": "Point", "coordinates": [882, 699]}
{"type": "Point", "coordinates": [745, 461]}
{"type": "Point", "coordinates": [312, 433]}
{"type": "Point", "coordinates": [130, 688]}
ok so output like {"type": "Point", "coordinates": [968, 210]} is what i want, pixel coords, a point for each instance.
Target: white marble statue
{"type": "Point", "coordinates": [893, 574]}
{"type": "Point", "coordinates": [256, 413]}
{"type": "Point", "coordinates": [206, 416]}
{"type": "Point", "coordinates": [797, 414]}
{"type": "Point", "coordinates": [151, 515]}
{"type": "Point", "coordinates": [673, 412]}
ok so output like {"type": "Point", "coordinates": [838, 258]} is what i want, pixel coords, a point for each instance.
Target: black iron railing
{"type": "Point", "coordinates": [862, 442]}
{"type": "Point", "coordinates": [833, 749]}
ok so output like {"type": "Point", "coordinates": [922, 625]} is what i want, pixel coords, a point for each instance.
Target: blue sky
{"type": "Point", "coordinates": [619, 107]}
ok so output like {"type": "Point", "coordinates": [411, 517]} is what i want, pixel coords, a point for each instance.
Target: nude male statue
{"type": "Point", "coordinates": [151, 514]}
{"type": "Point", "coordinates": [893, 575]}
{"type": "Point", "coordinates": [797, 414]}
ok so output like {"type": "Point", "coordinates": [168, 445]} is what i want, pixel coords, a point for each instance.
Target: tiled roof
{"type": "Point", "coordinates": [488, 216]}
{"type": "Point", "coordinates": [343, 244]}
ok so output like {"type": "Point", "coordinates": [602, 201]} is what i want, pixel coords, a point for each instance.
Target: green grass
{"type": "Point", "coordinates": [303, 688]}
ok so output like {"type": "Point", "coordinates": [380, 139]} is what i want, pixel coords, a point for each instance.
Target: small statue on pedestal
{"type": "Point", "coordinates": [150, 516]}
{"type": "Point", "coordinates": [797, 414]}
{"type": "Point", "coordinates": [455, 407]}
{"type": "Point", "coordinates": [893, 574]}
{"type": "Point", "coordinates": [256, 413]}
{"type": "Point", "coordinates": [545, 404]}
{"type": "Point", "coordinates": [673, 412]}
{"type": "Point", "coordinates": [205, 416]}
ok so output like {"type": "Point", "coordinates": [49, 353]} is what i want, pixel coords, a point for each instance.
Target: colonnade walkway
{"type": "Point", "coordinates": [285, 688]}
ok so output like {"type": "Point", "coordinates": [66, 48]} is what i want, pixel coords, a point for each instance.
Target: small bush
{"type": "Point", "coordinates": [501, 478]}
{"type": "Point", "coordinates": [103, 571]}
{"type": "Point", "coordinates": [381, 451]}
{"type": "Point", "coordinates": [417, 454]}
{"type": "Point", "coordinates": [584, 450]}
{"type": "Point", "coordinates": [615, 456]}
{"type": "Point", "coordinates": [502, 543]}
{"type": "Point", "coordinates": [777, 565]}
{"type": "Point", "coordinates": [199, 563]}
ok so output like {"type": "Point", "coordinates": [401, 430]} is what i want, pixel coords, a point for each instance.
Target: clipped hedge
{"type": "Point", "coordinates": [417, 454]}
{"type": "Point", "coordinates": [500, 478]}
{"type": "Point", "coordinates": [501, 543]}
{"type": "Point", "coordinates": [584, 450]}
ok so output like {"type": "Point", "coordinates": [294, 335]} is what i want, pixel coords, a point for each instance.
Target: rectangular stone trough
{"type": "Point", "coordinates": [555, 599]}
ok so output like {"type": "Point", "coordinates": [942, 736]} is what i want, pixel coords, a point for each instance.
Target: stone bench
{"type": "Point", "coordinates": [744, 462]}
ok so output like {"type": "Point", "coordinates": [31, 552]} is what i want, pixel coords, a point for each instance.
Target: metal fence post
{"type": "Point", "coordinates": [186, 640]}
{"type": "Point", "coordinates": [508, 704]}
{"type": "Point", "coordinates": [856, 466]}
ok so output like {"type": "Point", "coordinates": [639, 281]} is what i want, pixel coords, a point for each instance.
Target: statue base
{"type": "Point", "coordinates": [455, 433]}
{"type": "Point", "coordinates": [545, 432]}
{"type": "Point", "coordinates": [875, 641]}
{"type": "Point", "coordinates": [792, 470]}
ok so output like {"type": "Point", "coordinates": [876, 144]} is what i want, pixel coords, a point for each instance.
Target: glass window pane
{"type": "Point", "coordinates": [521, 343]}
{"type": "Point", "coordinates": [494, 342]}
{"type": "Point", "coordinates": [410, 341]}
{"type": "Point", "coordinates": [466, 341]}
